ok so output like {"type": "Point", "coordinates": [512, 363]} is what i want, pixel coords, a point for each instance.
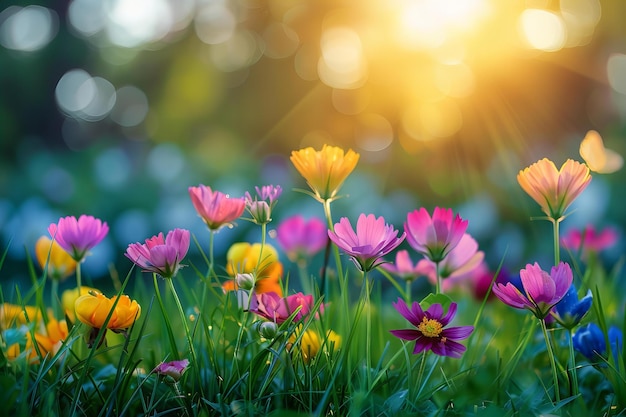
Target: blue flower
{"type": "Point", "coordinates": [570, 310]}
{"type": "Point", "coordinates": [590, 341]}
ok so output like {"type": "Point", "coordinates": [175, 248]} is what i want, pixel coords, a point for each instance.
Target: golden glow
{"type": "Point", "coordinates": [542, 29]}
{"type": "Point", "coordinates": [342, 64]}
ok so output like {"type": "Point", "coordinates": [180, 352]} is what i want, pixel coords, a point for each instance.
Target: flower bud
{"type": "Point", "coordinates": [268, 329]}
{"type": "Point", "coordinates": [245, 281]}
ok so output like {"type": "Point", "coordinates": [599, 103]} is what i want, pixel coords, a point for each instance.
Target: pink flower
{"type": "Point", "coordinates": [174, 369]}
{"type": "Point", "coordinates": [77, 237]}
{"type": "Point", "coordinates": [461, 261]}
{"type": "Point", "coordinates": [373, 240]}
{"type": "Point", "coordinates": [300, 238]}
{"type": "Point", "coordinates": [541, 290]}
{"type": "Point", "coordinates": [404, 268]}
{"type": "Point", "coordinates": [589, 239]}
{"type": "Point", "coordinates": [272, 307]}
{"type": "Point", "coordinates": [216, 209]}
{"type": "Point", "coordinates": [161, 256]}
{"type": "Point", "coordinates": [434, 237]}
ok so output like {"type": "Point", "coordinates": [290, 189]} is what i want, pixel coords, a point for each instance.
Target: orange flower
{"type": "Point", "coordinates": [60, 264]}
{"type": "Point", "coordinates": [48, 341]}
{"type": "Point", "coordinates": [93, 309]}
{"type": "Point", "coordinates": [244, 258]}
{"type": "Point", "coordinates": [325, 170]}
{"type": "Point", "coordinates": [554, 190]}
{"type": "Point", "coordinates": [69, 297]}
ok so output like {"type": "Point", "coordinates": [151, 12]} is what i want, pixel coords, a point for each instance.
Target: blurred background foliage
{"type": "Point", "coordinates": [114, 107]}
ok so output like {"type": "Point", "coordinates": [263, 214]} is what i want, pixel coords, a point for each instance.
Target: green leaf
{"type": "Point", "coordinates": [431, 299]}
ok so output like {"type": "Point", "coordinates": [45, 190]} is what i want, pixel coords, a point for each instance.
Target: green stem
{"type": "Point", "coordinates": [166, 318]}
{"type": "Point", "coordinates": [183, 318]}
{"type": "Point", "coordinates": [54, 299]}
{"type": "Point", "coordinates": [329, 219]}
{"type": "Point", "coordinates": [211, 255]}
{"type": "Point", "coordinates": [557, 245]}
{"type": "Point", "coordinates": [368, 332]}
{"type": "Point", "coordinates": [572, 365]}
{"type": "Point", "coordinates": [407, 292]}
{"type": "Point", "coordinates": [438, 289]}
{"type": "Point", "coordinates": [78, 278]}
{"type": "Point", "coordinates": [555, 376]}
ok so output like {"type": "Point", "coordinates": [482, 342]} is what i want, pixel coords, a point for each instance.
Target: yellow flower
{"type": "Point", "coordinates": [68, 300]}
{"type": "Point", "coordinates": [243, 258]}
{"type": "Point", "coordinates": [310, 343]}
{"type": "Point", "coordinates": [48, 340]}
{"type": "Point", "coordinates": [11, 314]}
{"type": "Point", "coordinates": [325, 170]}
{"type": "Point", "coordinates": [93, 309]}
{"type": "Point", "coordinates": [598, 158]}
{"type": "Point", "coordinates": [554, 190]}
{"type": "Point", "coordinates": [60, 264]}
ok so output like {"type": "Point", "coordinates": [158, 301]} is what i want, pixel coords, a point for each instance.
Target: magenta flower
{"type": "Point", "coordinates": [372, 240]}
{"type": "Point", "coordinates": [434, 237]}
{"type": "Point", "coordinates": [461, 261]}
{"type": "Point", "coordinates": [301, 239]}
{"type": "Point", "coordinates": [589, 240]}
{"type": "Point", "coordinates": [273, 307]}
{"type": "Point", "coordinates": [174, 369]}
{"type": "Point", "coordinates": [430, 332]}
{"type": "Point", "coordinates": [541, 291]}
{"type": "Point", "coordinates": [159, 255]}
{"type": "Point", "coordinates": [215, 208]}
{"type": "Point", "coordinates": [404, 268]}
{"type": "Point", "coordinates": [77, 237]}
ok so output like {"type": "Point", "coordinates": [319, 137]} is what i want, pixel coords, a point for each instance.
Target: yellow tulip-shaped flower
{"type": "Point", "coordinates": [69, 297]}
{"type": "Point", "coordinates": [310, 343]}
{"type": "Point", "coordinates": [244, 258]}
{"type": "Point", "coordinates": [93, 309]}
{"type": "Point", "coordinates": [325, 170]}
{"type": "Point", "coordinates": [554, 189]}
{"type": "Point", "coordinates": [60, 264]}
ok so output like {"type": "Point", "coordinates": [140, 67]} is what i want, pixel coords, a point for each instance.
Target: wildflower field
{"type": "Point", "coordinates": [238, 336]}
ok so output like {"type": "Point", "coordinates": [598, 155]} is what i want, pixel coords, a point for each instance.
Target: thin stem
{"type": "Point", "coordinates": [407, 292]}
{"type": "Point", "coordinates": [329, 219]}
{"type": "Point", "coordinates": [557, 246]}
{"type": "Point", "coordinates": [54, 299]}
{"type": "Point", "coordinates": [168, 325]}
{"type": "Point", "coordinates": [368, 332]}
{"type": "Point", "coordinates": [78, 278]}
{"type": "Point", "coordinates": [211, 255]}
{"type": "Point", "coordinates": [438, 289]}
{"type": "Point", "coordinates": [555, 376]}
{"type": "Point", "coordinates": [571, 367]}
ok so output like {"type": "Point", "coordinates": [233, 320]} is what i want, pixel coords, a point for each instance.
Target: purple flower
{"type": "Point", "coordinates": [174, 369]}
{"type": "Point", "coordinates": [273, 307]}
{"type": "Point", "coordinates": [541, 291]}
{"type": "Point", "coordinates": [430, 332]}
{"type": "Point", "coordinates": [373, 240]}
{"type": "Point", "coordinates": [216, 209]}
{"type": "Point", "coordinates": [260, 207]}
{"type": "Point", "coordinates": [301, 239]}
{"type": "Point", "coordinates": [434, 237]}
{"type": "Point", "coordinates": [77, 237]}
{"type": "Point", "coordinates": [161, 256]}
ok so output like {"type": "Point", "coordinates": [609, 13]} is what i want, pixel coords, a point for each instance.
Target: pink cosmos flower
{"type": "Point", "coordinates": [373, 240]}
{"type": "Point", "coordinates": [541, 291]}
{"type": "Point", "coordinates": [430, 332]}
{"type": "Point", "coordinates": [404, 268]}
{"type": "Point", "coordinates": [273, 307]}
{"type": "Point", "coordinates": [434, 237]}
{"type": "Point", "coordinates": [589, 240]}
{"type": "Point", "coordinates": [301, 239]}
{"type": "Point", "coordinates": [77, 237]}
{"type": "Point", "coordinates": [461, 261]}
{"type": "Point", "coordinates": [159, 255]}
{"type": "Point", "coordinates": [216, 209]}
{"type": "Point", "coordinates": [174, 369]}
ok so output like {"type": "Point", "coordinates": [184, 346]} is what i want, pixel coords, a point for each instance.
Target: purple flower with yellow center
{"type": "Point", "coordinates": [173, 369]}
{"type": "Point", "coordinates": [430, 331]}
{"type": "Point", "coordinates": [435, 236]}
{"type": "Point", "coordinates": [540, 291]}
{"type": "Point", "coordinates": [570, 310]}
{"type": "Point", "coordinates": [77, 237]}
{"type": "Point", "coordinates": [161, 255]}
{"type": "Point", "coordinates": [300, 238]}
{"type": "Point", "coordinates": [216, 208]}
{"type": "Point", "coordinates": [372, 240]}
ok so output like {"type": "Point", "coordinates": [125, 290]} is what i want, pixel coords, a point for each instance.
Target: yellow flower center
{"type": "Point", "coordinates": [430, 327]}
